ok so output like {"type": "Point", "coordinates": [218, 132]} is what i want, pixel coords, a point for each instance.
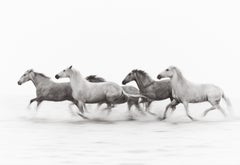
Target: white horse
{"type": "Point", "coordinates": [89, 92]}
{"type": "Point", "coordinates": [186, 92]}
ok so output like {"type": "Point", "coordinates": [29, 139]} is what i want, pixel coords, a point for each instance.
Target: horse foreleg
{"type": "Point", "coordinates": [32, 100]}
{"type": "Point", "coordinates": [173, 105]}
{"type": "Point", "coordinates": [38, 104]}
{"type": "Point", "coordinates": [187, 111]}
{"type": "Point", "coordinates": [165, 112]}
{"type": "Point", "coordinates": [80, 106]}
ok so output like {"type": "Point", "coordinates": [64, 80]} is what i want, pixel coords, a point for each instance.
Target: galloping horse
{"type": "Point", "coordinates": [46, 89]}
{"type": "Point", "coordinates": [186, 92]}
{"type": "Point", "coordinates": [127, 88]}
{"type": "Point", "coordinates": [88, 92]}
{"type": "Point", "coordinates": [154, 90]}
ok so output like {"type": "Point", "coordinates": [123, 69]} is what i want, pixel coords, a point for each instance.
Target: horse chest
{"type": "Point", "coordinates": [78, 95]}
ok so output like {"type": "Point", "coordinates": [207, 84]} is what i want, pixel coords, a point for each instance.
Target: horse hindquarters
{"type": "Point", "coordinates": [114, 94]}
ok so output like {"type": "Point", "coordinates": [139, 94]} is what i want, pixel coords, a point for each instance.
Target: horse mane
{"type": "Point", "coordinates": [95, 78]}
{"type": "Point", "coordinates": [179, 73]}
{"type": "Point", "coordinates": [41, 74]}
{"type": "Point", "coordinates": [143, 73]}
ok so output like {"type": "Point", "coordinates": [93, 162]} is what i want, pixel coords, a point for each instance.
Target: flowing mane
{"type": "Point", "coordinates": [142, 73]}
{"type": "Point", "coordinates": [42, 75]}
{"type": "Point", "coordinates": [95, 78]}
{"type": "Point", "coordinates": [179, 73]}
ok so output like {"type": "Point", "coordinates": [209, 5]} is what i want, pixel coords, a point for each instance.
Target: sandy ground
{"type": "Point", "coordinates": [54, 136]}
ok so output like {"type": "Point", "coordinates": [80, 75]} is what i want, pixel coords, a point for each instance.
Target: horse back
{"type": "Point", "coordinates": [56, 92]}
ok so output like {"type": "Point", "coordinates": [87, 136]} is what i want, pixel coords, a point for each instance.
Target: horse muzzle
{"type": "Point", "coordinates": [124, 82]}
{"type": "Point", "coordinates": [159, 77]}
{"type": "Point", "coordinates": [19, 83]}
{"type": "Point", "coordinates": [57, 76]}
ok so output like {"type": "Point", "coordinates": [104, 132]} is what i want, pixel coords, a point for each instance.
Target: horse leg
{"type": "Point", "coordinates": [99, 105]}
{"type": "Point", "coordinates": [32, 100]}
{"type": "Point", "coordinates": [173, 105]}
{"type": "Point", "coordinates": [109, 108]}
{"type": "Point", "coordinates": [39, 101]}
{"type": "Point", "coordinates": [85, 108]}
{"type": "Point", "coordinates": [70, 107]}
{"type": "Point", "coordinates": [130, 116]}
{"type": "Point", "coordinates": [147, 108]}
{"type": "Point", "coordinates": [208, 110]}
{"type": "Point", "coordinates": [138, 107]}
{"type": "Point", "coordinates": [80, 106]}
{"type": "Point", "coordinates": [221, 109]}
{"type": "Point", "coordinates": [187, 110]}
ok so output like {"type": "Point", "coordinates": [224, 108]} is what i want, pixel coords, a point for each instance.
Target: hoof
{"type": "Point", "coordinates": [131, 118]}
{"type": "Point", "coordinates": [161, 118]}
{"type": "Point", "coordinates": [151, 113]}
{"type": "Point", "coordinates": [84, 117]}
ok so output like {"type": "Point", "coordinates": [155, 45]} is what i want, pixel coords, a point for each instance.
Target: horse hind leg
{"type": "Point", "coordinates": [216, 105]}
{"type": "Point", "coordinates": [208, 110]}
{"type": "Point", "coordinates": [109, 108]}
{"type": "Point", "coordinates": [221, 109]}
{"type": "Point", "coordinates": [130, 115]}
{"type": "Point", "coordinates": [136, 104]}
{"type": "Point", "coordinates": [147, 108]}
{"type": "Point", "coordinates": [171, 105]}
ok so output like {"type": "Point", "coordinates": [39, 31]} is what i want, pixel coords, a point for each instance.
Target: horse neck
{"type": "Point", "coordinates": [38, 79]}
{"type": "Point", "coordinates": [178, 81]}
{"type": "Point", "coordinates": [143, 81]}
{"type": "Point", "coordinates": [77, 80]}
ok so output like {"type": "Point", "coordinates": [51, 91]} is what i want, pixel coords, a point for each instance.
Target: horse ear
{"type": "Point", "coordinates": [30, 70]}
{"type": "Point", "coordinates": [70, 67]}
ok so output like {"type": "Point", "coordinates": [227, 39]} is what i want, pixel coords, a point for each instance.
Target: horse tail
{"type": "Point", "coordinates": [227, 100]}
{"type": "Point", "coordinates": [133, 95]}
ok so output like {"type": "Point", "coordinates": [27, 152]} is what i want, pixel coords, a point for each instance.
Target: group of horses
{"type": "Point", "coordinates": [96, 90]}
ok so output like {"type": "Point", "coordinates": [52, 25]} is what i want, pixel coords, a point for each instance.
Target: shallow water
{"type": "Point", "coordinates": [54, 136]}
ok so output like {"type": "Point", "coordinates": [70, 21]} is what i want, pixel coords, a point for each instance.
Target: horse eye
{"type": "Point", "coordinates": [64, 70]}
{"type": "Point", "coordinates": [167, 69]}
{"type": "Point", "coordinates": [24, 75]}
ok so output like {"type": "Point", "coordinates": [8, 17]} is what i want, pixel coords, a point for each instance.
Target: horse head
{"type": "Point", "coordinates": [65, 73]}
{"type": "Point", "coordinates": [28, 75]}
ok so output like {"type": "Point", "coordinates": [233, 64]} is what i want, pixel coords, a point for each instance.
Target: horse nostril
{"type": "Point", "coordinates": [123, 82]}
{"type": "Point", "coordinates": [57, 76]}
{"type": "Point", "coordinates": [19, 83]}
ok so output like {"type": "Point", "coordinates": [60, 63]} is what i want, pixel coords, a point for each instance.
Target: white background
{"type": "Point", "coordinates": [110, 38]}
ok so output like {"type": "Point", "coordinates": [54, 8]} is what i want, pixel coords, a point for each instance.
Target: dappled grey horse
{"type": "Point", "coordinates": [47, 90]}
{"type": "Point", "coordinates": [154, 90]}
{"type": "Point", "coordinates": [127, 88]}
